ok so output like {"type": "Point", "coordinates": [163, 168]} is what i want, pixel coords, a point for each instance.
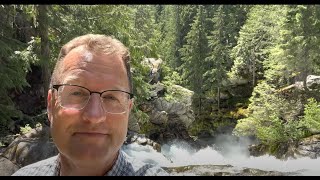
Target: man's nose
{"type": "Point", "coordinates": [93, 111]}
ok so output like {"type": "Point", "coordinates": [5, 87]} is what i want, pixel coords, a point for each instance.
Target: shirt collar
{"type": "Point", "coordinates": [120, 167]}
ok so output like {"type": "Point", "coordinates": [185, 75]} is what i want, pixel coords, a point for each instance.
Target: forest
{"type": "Point", "coordinates": [250, 66]}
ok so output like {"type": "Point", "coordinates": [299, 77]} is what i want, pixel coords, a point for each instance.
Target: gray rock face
{"type": "Point", "coordinates": [26, 149]}
{"type": "Point", "coordinates": [313, 82]}
{"type": "Point", "coordinates": [7, 167]}
{"type": "Point", "coordinates": [309, 147]}
{"type": "Point", "coordinates": [180, 107]}
{"type": "Point", "coordinates": [155, 66]}
{"type": "Point", "coordinates": [222, 170]}
{"type": "Point", "coordinates": [170, 116]}
{"type": "Point", "coordinates": [141, 139]}
{"type": "Point", "coordinates": [133, 124]}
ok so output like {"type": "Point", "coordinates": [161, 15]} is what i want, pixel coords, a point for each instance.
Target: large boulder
{"type": "Point", "coordinates": [36, 142]}
{"type": "Point", "coordinates": [170, 113]}
{"type": "Point", "coordinates": [7, 167]}
{"type": "Point", "coordinates": [26, 149]}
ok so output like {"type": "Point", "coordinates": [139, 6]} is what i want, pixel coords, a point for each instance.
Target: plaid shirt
{"type": "Point", "coordinates": [122, 167]}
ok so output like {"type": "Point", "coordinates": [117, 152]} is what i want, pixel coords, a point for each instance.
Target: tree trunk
{"type": "Point", "coordinates": [218, 99]}
{"type": "Point", "coordinates": [45, 51]}
{"type": "Point", "coordinates": [200, 104]}
{"type": "Point", "coordinates": [253, 71]}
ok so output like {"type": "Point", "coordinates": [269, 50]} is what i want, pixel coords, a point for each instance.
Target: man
{"type": "Point", "coordinates": [88, 108]}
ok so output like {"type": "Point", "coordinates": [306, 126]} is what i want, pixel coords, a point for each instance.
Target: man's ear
{"type": "Point", "coordinates": [131, 104]}
{"type": "Point", "coordinates": [50, 105]}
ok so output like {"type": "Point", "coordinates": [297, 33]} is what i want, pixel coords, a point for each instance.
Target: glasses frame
{"type": "Point", "coordinates": [56, 87]}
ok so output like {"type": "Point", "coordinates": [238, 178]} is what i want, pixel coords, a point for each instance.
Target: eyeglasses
{"type": "Point", "coordinates": [77, 97]}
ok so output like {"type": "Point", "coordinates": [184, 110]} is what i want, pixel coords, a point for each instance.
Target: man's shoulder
{"type": "Point", "coordinates": [146, 169]}
{"type": "Point", "coordinates": [44, 167]}
{"type": "Point", "coordinates": [141, 168]}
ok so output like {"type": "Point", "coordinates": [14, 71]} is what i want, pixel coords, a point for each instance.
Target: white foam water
{"type": "Point", "coordinates": [182, 155]}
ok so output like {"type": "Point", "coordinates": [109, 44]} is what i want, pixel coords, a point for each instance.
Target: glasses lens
{"type": "Point", "coordinates": [73, 97]}
{"type": "Point", "coordinates": [114, 101]}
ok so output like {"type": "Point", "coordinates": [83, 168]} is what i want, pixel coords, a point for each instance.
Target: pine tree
{"type": "Point", "coordinates": [194, 53]}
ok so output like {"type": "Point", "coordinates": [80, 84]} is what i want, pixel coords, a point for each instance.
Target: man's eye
{"type": "Point", "coordinates": [109, 98]}
{"type": "Point", "coordinates": [77, 93]}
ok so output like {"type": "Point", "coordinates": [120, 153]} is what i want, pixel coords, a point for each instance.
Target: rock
{"type": "Point", "coordinates": [142, 140]}
{"type": "Point", "coordinates": [157, 90]}
{"type": "Point", "coordinates": [159, 117]}
{"type": "Point", "coordinates": [156, 146]}
{"type": "Point", "coordinates": [309, 147]}
{"type": "Point", "coordinates": [133, 137]}
{"type": "Point", "coordinates": [133, 124]}
{"type": "Point", "coordinates": [31, 147]}
{"type": "Point", "coordinates": [27, 149]}
{"type": "Point", "coordinates": [222, 170]}
{"type": "Point", "coordinates": [313, 83]}
{"type": "Point", "coordinates": [7, 168]}
{"type": "Point", "coordinates": [155, 67]}
{"type": "Point", "coordinates": [8, 139]}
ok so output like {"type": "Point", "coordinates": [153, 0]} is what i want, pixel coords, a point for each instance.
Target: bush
{"type": "Point", "coordinates": [25, 129]}
{"type": "Point", "coordinates": [268, 118]}
{"type": "Point", "coordinates": [311, 119]}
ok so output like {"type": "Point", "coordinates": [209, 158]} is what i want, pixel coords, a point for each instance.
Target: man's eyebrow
{"type": "Point", "coordinates": [70, 78]}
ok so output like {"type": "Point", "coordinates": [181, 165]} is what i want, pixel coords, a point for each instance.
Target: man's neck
{"type": "Point", "coordinates": [72, 168]}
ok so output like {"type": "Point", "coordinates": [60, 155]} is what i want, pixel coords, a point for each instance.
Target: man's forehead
{"type": "Point", "coordinates": [70, 77]}
{"type": "Point", "coordinates": [80, 63]}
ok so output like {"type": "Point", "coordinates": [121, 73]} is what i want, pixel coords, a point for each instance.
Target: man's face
{"type": "Point", "coordinates": [89, 133]}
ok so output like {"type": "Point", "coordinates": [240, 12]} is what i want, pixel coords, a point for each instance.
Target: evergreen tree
{"type": "Point", "coordinates": [194, 53]}
{"type": "Point", "coordinates": [226, 23]}
{"type": "Point", "coordinates": [300, 41]}
{"type": "Point", "coordinates": [253, 43]}
{"type": "Point", "coordinates": [13, 67]}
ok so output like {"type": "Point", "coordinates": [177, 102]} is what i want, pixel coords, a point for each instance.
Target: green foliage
{"type": "Point", "coordinates": [277, 131]}
{"type": "Point", "coordinates": [210, 124]}
{"type": "Point", "coordinates": [143, 120]}
{"type": "Point", "coordinates": [194, 52]}
{"type": "Point", "coordinates": [245, 127]}
{"type": "Point", "coordinates": [268, 119]}
{"type": "Point", "coordinates": [13, 68]}
{"type": "Point", "coordinates": [258, 34]}
{"type": "Point", "coordinates": [148, 127]}
{"type": "Point", "coordinates": [174, 25]}
{"type": "Point", "coordinates": [171, 80]}
{"type": "Point", "coordinates": [140, 115]}
{"type": "Point", "coordinates": [170, 76]}
{"type": "Point", "coordinates": [240, 112]}
{"type": "Point", "coordinates": [299, 41]}
{"type": "Point", "coordinates": [26, 129]}
{"type": "Point", "coordinates": [311, 119]}
{"type": "Point", "coordinates": [176, 93]}
{"type": "Point", "coordinates": [28, 55]}
{"type": "Point", "coordinates": [200, 126]}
